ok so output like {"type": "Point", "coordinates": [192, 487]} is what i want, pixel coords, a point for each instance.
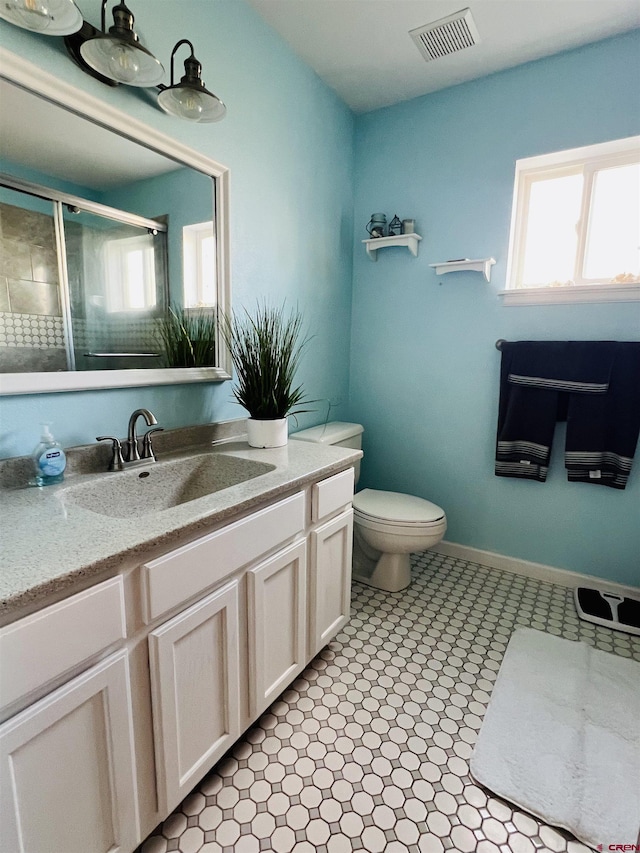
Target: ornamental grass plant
{"type": "Point", "coordinates": [266, 348]}
{"type": "Point", "coordinates": [187, 338]}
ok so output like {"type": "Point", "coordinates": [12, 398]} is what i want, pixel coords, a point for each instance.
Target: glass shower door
{"type": "Point", "coordinates": [118, 289]}
{"type": "Point", "coordinates": [32, 335]}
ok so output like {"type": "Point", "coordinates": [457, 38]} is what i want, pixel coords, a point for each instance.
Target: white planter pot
{"type": "Point", "coordinates": [273, 433]}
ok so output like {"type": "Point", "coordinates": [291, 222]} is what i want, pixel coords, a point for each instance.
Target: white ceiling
{"type": "Point", "coordinates": [362, 49]}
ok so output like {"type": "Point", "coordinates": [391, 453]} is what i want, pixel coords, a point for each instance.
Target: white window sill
{"type": "Point", "coordinates": [575, 293]}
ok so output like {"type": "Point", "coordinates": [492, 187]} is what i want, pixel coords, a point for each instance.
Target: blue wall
{"type": "Point", "coordinates": [288, 142]}
{"type": "Point", "coordinates": [424, 369]}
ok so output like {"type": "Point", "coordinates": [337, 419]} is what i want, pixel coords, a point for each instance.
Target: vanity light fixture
{"type": "Point", "coordinates": [118, 54]}
{"type": "Point", "coordinates": [189, 99]}
{"type": "Point", "coordinates": [49, 17]}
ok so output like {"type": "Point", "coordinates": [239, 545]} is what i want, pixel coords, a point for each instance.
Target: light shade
{"type": "Point", "coordinates": [49, 17]}
{"type": "Point", "coordinates": [119, 55]}
{"type": "Point", "coordinates": [192, 104]}
{"type": "Point", "coordinates": [189, 99]}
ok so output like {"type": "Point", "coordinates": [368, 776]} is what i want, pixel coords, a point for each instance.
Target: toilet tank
{"type": "Point", "coordinates": [338, 433]}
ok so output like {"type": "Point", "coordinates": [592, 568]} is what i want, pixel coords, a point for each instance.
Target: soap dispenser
{"type": "Point", "coordinates": [49, 460]}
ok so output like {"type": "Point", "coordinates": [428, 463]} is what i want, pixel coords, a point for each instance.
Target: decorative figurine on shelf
{"type": "Point", "coordinates": [395, 227]}
{"type": "Point", "coordinates": [376, 225]}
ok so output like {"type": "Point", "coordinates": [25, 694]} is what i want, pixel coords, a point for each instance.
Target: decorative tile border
{"type": "Point", "coordinates": [31, 330]}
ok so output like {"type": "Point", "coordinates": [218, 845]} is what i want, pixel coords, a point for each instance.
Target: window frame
{"type": "Point", "coordinates": [193, 271]}
{"type": "Point", "coordinates": [587, 161]}
{"type": "Point", "coordinates": [118, 295]}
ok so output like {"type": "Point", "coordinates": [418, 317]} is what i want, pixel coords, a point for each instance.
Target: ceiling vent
{"type": "Point", "coordinates": [448, 35]}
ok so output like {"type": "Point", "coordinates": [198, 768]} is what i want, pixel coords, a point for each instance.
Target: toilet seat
{"type": "Point", "coordinates": [394, 509]}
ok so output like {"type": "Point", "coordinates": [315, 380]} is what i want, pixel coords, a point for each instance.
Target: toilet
{"type": "Point", "coordinates": [388, 526]}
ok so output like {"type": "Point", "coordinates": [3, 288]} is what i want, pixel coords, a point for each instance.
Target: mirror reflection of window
{"type": "Point", "coordinates": [199, 259]}
{"type": "Point", "coordinates": [130, 266]}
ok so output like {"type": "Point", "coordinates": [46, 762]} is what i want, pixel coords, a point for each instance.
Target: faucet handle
{"type": "Point", "coordinates": [117, 462]}
{"type": "Point", "coordinates": [147, 447]}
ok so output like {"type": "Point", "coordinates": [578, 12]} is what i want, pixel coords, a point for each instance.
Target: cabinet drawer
{"type": "Point", "coordinates": [331, 495]}
{"type": "Point", "coordinates": [195, 567]}
{"type": "Point", "coordinates": [47, 644]}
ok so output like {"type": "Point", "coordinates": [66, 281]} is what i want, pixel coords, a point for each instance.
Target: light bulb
{"type": "Point", "coordinates": [34, 14]}
{"type": "Point", "coordinates": [123, 63]}
{"type": "Point", "coordinates": [191, 106]}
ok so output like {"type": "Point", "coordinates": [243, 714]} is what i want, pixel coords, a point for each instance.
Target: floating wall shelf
{"type": "Point", "coordinates": [409, 240]}
{"type": "Point", "coordinates": [482, 265]}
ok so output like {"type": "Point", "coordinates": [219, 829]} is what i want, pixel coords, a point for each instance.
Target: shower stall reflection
{"type": "Point", "coordinates": [117, 290]}
{"type": "Point", "coordinates": [81, 285]}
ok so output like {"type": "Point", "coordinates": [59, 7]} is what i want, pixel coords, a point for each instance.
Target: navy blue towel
{"type": "Point", "coordinates": [593, 385]}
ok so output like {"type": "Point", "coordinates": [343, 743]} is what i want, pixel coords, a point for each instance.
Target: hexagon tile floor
{"type": "Point", "coordinates": [368, 749]}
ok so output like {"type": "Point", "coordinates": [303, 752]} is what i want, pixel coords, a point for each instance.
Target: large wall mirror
{"type": "Point", "coordinates": [113, 245]}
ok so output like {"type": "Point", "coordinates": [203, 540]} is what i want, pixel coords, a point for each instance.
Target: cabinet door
{"type": "Point", "coordinates": [277, 623]}
{"type": "Point", "coordinates": [67, 768]}
{"type": "Point", "coordinates": [330, 599]}
{"type": "Point", "coordinates": [194, 663]}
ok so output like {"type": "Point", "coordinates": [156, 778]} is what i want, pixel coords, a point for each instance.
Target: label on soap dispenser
{"type": "Point", "coordinates": [52, 462]}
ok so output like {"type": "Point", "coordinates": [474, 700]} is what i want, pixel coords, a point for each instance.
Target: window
{"type": "Point", "coordinates": [575, 229]}
{"type": "Point", "coordinates": [199, 258]}
{"type": "Point", "coordinates": [131, 274]}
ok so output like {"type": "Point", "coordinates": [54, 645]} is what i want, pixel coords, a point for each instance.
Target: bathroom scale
{"type": "Point", "coordinates": [619, 612]}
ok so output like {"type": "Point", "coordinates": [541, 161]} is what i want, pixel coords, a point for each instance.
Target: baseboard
{"type": "Point", "coordinates": [562, 577]}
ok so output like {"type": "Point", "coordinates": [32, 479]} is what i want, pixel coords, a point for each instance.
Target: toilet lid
{"type": "Point", "coordinates": [396, 507]}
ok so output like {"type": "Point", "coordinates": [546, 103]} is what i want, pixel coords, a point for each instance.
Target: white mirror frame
{"type": "Point", "coordinates": [25, 74]}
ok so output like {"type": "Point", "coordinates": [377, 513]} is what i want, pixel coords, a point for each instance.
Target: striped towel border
{"type": "Point", "coordinates": [559, 384]}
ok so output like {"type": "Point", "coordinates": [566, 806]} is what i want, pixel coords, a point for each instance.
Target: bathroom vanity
{"type": "Point", "coordinates": [150, 644]}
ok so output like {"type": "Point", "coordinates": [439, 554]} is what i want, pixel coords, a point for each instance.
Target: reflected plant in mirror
{"type": "Point", "coordinates": [187, 337]}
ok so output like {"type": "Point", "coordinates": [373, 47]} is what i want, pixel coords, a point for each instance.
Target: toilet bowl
{"type": "Point", "coordinates": [388, 526]}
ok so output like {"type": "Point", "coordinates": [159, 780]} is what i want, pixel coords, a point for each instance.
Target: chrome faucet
{"type": "Point", "coordinates": [132, 454]}
{"type": "Point", "coordinates": [128, 453]}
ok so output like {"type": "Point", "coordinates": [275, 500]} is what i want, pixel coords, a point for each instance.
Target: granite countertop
{"type": "Point", "coordinates": [50, 544]}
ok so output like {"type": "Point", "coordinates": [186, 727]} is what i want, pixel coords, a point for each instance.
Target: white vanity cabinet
{"type": "Point", "coordinates": [267, 611]}
{"type": "Point", "coordinates": [198, 641]}
{"type": "Point", "coordinates": [218, 663]}
{"type": "Point", "coordinates": [67, 764]}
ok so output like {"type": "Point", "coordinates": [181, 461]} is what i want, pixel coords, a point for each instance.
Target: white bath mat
{"type": "Point", "coordinates": [561, 737]}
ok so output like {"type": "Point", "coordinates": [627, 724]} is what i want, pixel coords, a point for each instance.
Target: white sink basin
{"type": "Point", "coordinates": [144, 490]}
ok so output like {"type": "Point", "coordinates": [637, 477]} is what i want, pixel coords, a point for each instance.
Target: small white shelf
{"type": "Point", "coordinates": [482, 265]}
{"type": "Point", "coordinates": [409, 240]}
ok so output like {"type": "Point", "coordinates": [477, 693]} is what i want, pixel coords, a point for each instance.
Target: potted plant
{"type": "Point", "coordinates": [187, 338]}
{"type": "Point", "coordinates": [265, 349]}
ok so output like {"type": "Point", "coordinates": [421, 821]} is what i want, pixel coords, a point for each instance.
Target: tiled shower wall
{"type": "Point", "coordinates": [31, 331]}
